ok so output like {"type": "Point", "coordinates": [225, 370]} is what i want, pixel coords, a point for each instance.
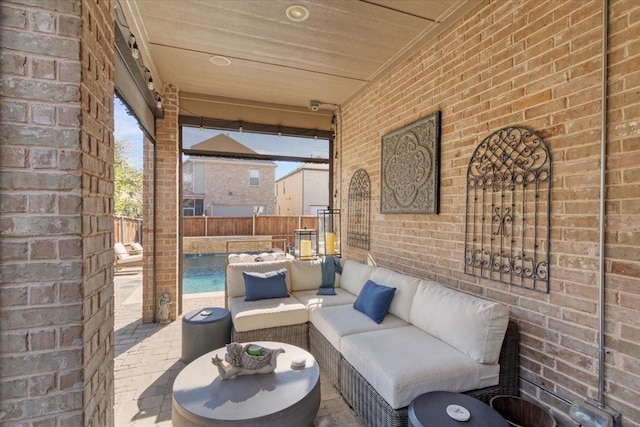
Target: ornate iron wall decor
{"type": "Point", "coordinates": [359, 210]}
{"type": "Point", "coordinates": [410, 168]}
{"type": "Point", "coordinates": [508, 209]}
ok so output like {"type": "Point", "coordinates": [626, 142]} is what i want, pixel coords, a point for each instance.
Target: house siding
{"type": "Point", "coordinates": [534, 64]}
{"type": "Point", "coordinates": [316, 190]}
{"type": "Point", "coordinates": [289, 195]}
{"type": "Point", "coordinates": [302, 192]}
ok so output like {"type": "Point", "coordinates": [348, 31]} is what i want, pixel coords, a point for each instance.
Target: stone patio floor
{"type": "Point", "coordinates": [147, 360]}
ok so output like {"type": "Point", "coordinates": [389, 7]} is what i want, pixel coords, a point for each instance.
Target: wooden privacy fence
{"type": "Point", "coordinates": [279, 227]}
{"type": "Point", "coordinates": [126, 230]}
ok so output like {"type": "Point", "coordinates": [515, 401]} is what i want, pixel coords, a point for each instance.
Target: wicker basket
{"type": "Point", "coordinates": [522, 413]}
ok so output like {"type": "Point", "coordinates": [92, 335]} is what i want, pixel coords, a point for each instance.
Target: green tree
{"type": "Point", "coordinates": [128, 183]}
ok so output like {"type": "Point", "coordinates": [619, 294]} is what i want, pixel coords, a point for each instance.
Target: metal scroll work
{"type": "Point", "coordinates": [359, 210]}
{"type": "Point", "coordinates": [508, 209]}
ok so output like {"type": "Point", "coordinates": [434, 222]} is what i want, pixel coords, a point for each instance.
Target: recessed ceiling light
{"type": "Point", "coordinates": [297, 12]}
{"type": "Point", "coordinates": [220, 60]}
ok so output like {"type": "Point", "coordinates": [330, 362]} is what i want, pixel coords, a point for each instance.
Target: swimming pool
{"type": "Point", "coordinates": [203, 273]}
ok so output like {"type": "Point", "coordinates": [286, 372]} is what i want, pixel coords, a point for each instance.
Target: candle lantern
{"type": "Point", "coordinates": [329, 232]}
{"type": "Point", "coordinates": [305, 244]}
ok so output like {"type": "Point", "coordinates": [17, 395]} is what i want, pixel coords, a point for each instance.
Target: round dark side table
{"type": "Point", "coordinates": [204, 330]}
{"type": "Point", "coordinates": [430, 409]}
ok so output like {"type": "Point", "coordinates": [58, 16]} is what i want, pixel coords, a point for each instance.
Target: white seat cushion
{"type": "Point", "coordinates": [313, 301]}
{"type": "Point", "coordinates": [341, 320]}
{"type": "Point", "coordinates": [473, 325]}
{"type": "Point", "coordinates": [120, 250]}
{"type": "Point", "coordinates": [266, 313]}
{"type": "Point", "coordinates": [354, 276]}
{"type": "Point", "coordinates": [405, 285]}
{"type": "Point", "coordinates": [403, 363]}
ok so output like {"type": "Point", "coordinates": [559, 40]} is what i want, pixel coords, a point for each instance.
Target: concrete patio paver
{"type": "Point", "coordinates": [147, 361]}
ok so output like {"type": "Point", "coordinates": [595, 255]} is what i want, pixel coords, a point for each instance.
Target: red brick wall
{"type": "Point", "coordinates": [535, 64]}
{"type": "Point", "coordinates": [56, 311]}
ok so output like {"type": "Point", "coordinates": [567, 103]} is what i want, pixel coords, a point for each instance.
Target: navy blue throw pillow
{"type": "Point", "coordinates": [271, 284]}
{"type": "Point", "coordinates": [374, 300]}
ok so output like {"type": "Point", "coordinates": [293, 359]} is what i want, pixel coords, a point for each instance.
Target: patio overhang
{"type": "Point", "coordinates": [269, 67]}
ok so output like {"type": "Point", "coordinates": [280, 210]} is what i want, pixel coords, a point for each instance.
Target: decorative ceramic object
{"type": "Point", "coordinates": [458, 413]}
{"type": "Point", "coordinates": [164, 308]}
{"type": "Point", "coordinates": [240, 362]}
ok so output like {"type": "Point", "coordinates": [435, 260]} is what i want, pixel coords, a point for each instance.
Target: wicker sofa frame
{"type": "Point", "coordinates": [297, 335]}
{"type": "Point", "coordinates": [373, 409]}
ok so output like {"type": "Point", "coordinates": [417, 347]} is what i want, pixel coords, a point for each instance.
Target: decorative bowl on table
{"type": "Point", "coordinates": [249, 359]}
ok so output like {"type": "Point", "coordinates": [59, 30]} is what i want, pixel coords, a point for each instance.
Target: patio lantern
{"type": "Point", "coordinates": [305, 244]}
{"type": "Point", "coordinates": [329, 232]}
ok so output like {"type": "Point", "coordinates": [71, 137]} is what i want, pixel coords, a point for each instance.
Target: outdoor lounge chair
{"type": "Point", "coordinates": [124, 258]}
{"type": "Point", "coordinates": [136, 248]}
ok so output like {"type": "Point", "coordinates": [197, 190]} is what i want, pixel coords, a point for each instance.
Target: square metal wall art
{"type": "Point", "coordinates": [411, 168]}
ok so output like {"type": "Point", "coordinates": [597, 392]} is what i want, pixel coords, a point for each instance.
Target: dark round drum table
{"type": "Point", "coordinates": [204, 330]}
{"type": "Point", "coordinates": [430, 410]}
{"type": "Point", "coordinates": [286, 397]}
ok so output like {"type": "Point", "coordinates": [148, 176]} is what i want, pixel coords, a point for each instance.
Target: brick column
{"type": "Point", "coordinates": [56, 155]}
{"type": "Point", "coordinates": [167, 183]}
{"type": "Point", "coordinates": [97, 144]}
{"type": "Point", "coordinates": [148, 226]}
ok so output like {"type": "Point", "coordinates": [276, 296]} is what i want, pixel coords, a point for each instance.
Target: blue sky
{"type": "Point", "coordinates": [127, 128]}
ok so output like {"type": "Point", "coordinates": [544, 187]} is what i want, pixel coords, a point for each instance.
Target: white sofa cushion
{"type": "Point", "coordinates": [403, 363]}
{"type": "Point", "coordinates": [341, 320]}
{"type": "Point", "coordinates": [473, 325]}
{"type": "Point", "coordinates": [354, 276]}
{"type": "Point", "coordinates": [266, 313]}
{"type": "Point", "coordinates": [307, 275]}
{"type": "Point", "coordinates": [405, 285]}
{"type": "Point", "coordinates": [312, 301]}
{"type": "Point", "coordinates": [235, 280]}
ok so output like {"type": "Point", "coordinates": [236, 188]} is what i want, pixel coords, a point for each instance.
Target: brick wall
{"type": "Point", "coordinates": [536, 64]}
{"type": "Point", "coordinates": [56, 311]}
{"type": "Point", "coordinates": [218, 245]}
{"type": "Point", "coordinates": [230, 175]}
{"type": "Point", "coordinates": [167, 193]}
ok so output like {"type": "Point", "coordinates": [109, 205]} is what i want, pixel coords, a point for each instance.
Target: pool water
{"type": "Point", "coordinates": [203, 273]}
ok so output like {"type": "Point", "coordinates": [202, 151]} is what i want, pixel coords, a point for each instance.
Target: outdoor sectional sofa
{"type": "Point", "coordinates": [433, 337]}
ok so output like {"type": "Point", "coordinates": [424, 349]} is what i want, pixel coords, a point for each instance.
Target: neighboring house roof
{"type": "Point", "coordinates": [306, 166]}
{"type": "Point", "coordinates": [222, 143]}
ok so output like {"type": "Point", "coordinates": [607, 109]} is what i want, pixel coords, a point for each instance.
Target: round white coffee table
{"type": "Point", "coordinates": [284, 397]}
